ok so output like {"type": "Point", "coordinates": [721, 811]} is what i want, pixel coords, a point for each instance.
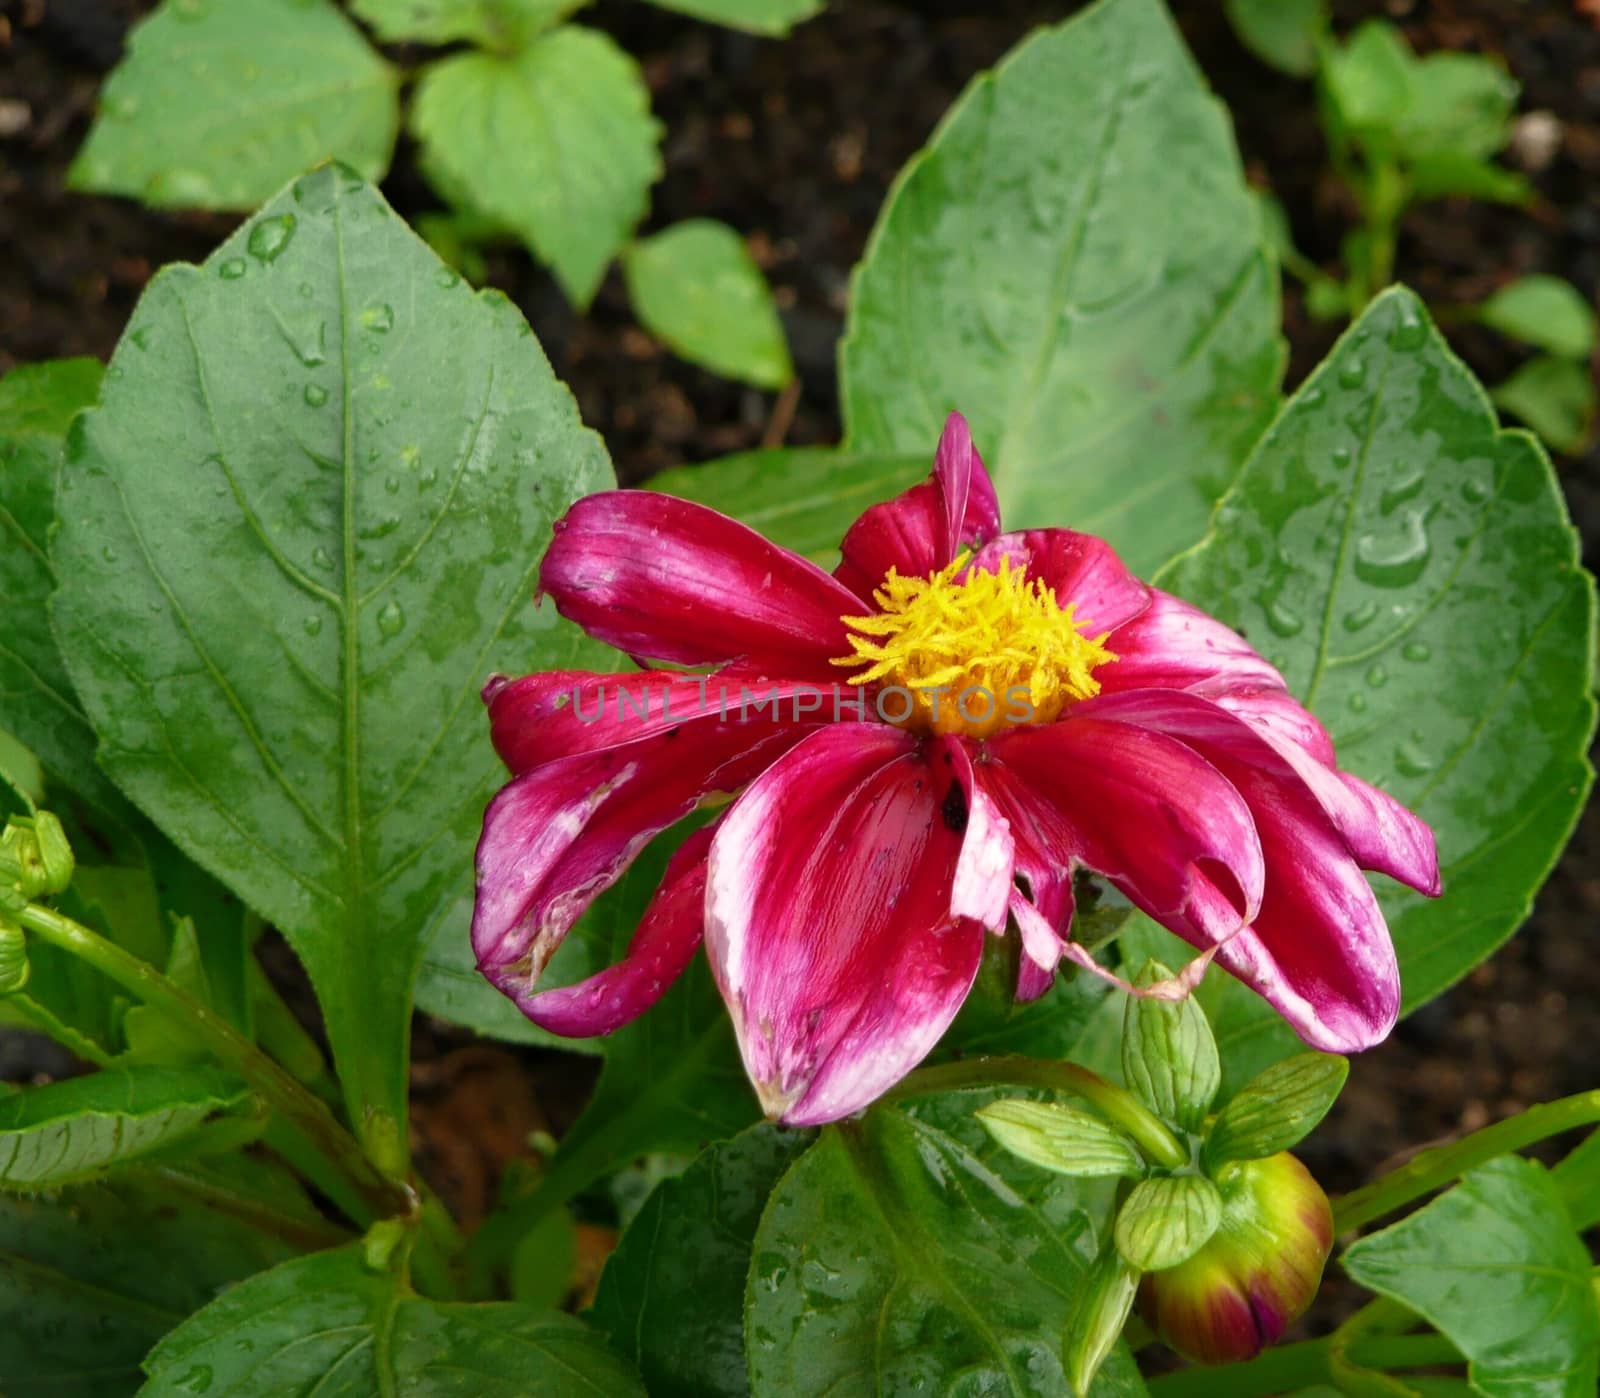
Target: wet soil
{"type": "Point", "coordinates": [795, 145]}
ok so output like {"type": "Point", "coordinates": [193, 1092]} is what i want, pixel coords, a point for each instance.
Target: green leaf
{"type": "Point", "coordinates": [72, 1131]}
{"type": "Point", "coordinates": [326, 1324]}
{"type": "Point", "coordinates": [1169, 1057]}
{"type": "Point", "coordinates": [556, 141]}
{"type": "Point", "coordinates": [1076, 263]}
{"type": "Point", "coordinates": [1548, 313]}
{"type": "Point", "coordinates": [1446, 173]}
{"type": "Point", "coordinates": [1097, 1318]}
{"type": "Point", "coordinates": [992, 1022]}
{"type": "Point", "coordinates": [1065, 1139]}
{"type": "Point", "coordinates": [1401, 556]}
{"type": "Point", "coordinates": [1496, 1266]}
{"type": "Point", "coordinates": [696, 286]}
{"type": "Point", "coordinates": [217, 104]}
{"type": "Point", "coordinates": [90, 1279]}
{"type": "Point", "coordinates": [1578, 1178]}
{"type": "Point", "coordinates": [1369, 80]}
{"type": "Point", "coordinates": [803, 498]}
{"type": "Point", "coordinates": [1166, 1220]}
{"type": "Point", "coordinates": [37, 703]}
{"type": "Point", "coordinates": [496, 24]}
{"type": "Point", "coordinates": [295, 537]}
{"type": "Point", "coordinates": [1278, 1108]}
{"type": "Point", "coordinates": [879, 1259]}
{"type": "Point", "coordinates": [1284, 34]}
{"type": "Point", "coordinates": [672, 1295]}
{"type": "Point", "coordinates": [1555, 397]}
{"type": "Point", "coordinates": [758, 16]}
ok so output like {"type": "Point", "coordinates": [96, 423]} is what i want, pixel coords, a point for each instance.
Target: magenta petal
{"type": "Point", "coordinates": [1144, 810]}
{"type": "Point", "coordinates": [666, 940]}
{"type": "Point", "coordinates": [1377, 831]}
{"type": "Point", "coordinates": [558, 835]}
{"type": "Point", "coordinates": [1081, 569]}
{"type": "Point", "coordinates": [666, 578]}
{"type": "Point", "coordinates": [828, 921]}
{"type": "Point", "coordinates": [922, 529]}
{"type": "Point", "coordinates": [1042, 947]}
{"type": "Point", "coordinates": [1171, 645]}
{"type": "Point", "coordinates": [540, 718]}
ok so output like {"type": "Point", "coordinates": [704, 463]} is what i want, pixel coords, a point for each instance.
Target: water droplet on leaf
{"type": "Point", "coordinates": [270, 237]}
{"type": "Point", "coordinates": [232, 269]}
{"type": "Point", "coordinates": [391, 620]}
{"type": "Point", "coordinates": [1389, 562]}
{"type": "Point", "coordinates": [316, 395]}
{"type": "Point", "coordinates": [1417, 650]}
{"type": "Point", "coordinates": [1377, 676]}
{"type": "Point", "coordinates": [379, 318]}
{"type": "Point", "coordinates": [1360, 617]}
{"type": "Point", "coordinates": [313, 625]}
{"type": "Point", "coordinates": [1352, 373]}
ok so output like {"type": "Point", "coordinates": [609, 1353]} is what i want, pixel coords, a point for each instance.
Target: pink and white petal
{"type": "Point", "coordinates": [672, 580]}
{"type": "Point", "coordinates": [982, 886]}
{"type": "Point", "coordinates": [828, 922]}
{"type": "Point", "coordinates": [923, 528]}
{"type": "Point", "coordinates": [1274, 713]}
{"type": "Point", "coordinates": [1042, 947]}
{"type": "Point", "coordinates": [556, 836]}
{"type": "Point", "coordinates": [1319, 950]}
{"type": "Point", "coordinates": [540, 718]}
{"type": "Point", "coordinates": [1171, 645]}
{"type": "Point", "coordinates": [1377, 831]}
{"type": "Point", "coordinates": [1080, 568]}
{"type": "Point", "coordinates": [668, 935]}
{"type": "Point", "coordinates": [970, 507]}
{"type": "Point", "coordinates": [1145, 811]}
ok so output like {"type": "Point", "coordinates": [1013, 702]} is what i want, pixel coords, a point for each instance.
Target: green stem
{"type": "Point", "coordinates": [1402, 1352]}
{"type": "Point", "coordinates": [1148, 1131]}
{"type": "Point", "coordinates": [1433, 1169]}
{"type": "Point", "coordinates": [283, 1093]}
{"type": "Point", "coordinates": [1284, 1370]}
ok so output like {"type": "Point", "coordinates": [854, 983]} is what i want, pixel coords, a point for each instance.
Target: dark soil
{"type": "Point", "coordinates": [795, 145]}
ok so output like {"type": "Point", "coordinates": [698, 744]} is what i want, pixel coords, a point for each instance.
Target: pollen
{"type": "Point", "coordinates": [973, 652]}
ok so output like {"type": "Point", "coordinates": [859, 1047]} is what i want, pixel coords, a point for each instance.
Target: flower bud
{"type": "Point", "coordinates": [37, 855]}
{"type": "Point", "coordinates": [1256, 1275]}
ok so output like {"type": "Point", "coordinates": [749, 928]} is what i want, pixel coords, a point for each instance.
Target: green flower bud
{"type": "Point", "coordinates": [1256, 1275]}
{"type": "Point", "coordinates": [38, 857]}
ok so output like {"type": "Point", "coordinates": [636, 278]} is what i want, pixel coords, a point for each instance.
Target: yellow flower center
{"type": "Point", "coordinates": [990, 651]}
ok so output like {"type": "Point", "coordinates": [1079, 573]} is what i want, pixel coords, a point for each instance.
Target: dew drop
{"type": "Point", "coordinates": [109, 554]}
{"type": "Point", "coordinates": [1312, 397]}
{"type": "Point", "coordinates": [1361, 617]}
{"type": "Point", "coordinates": [379, 318]}
{"type": "Point", "coordinates": [1352, 373]}
{"type": "Point", "coordinates": [1409, 332]}
{"type": "Point", "coordinates": [1357, 703]}
{"type": "Point", "coordinates": [427, 478]}
{"type": "Point", "coordinates": [446, 278]}
{"type": "Point", "coordinates": [391, 620]}
{"type": "Point", "coordinates": [1377, 676]}
{"type": "Point", "coordinates": [1417, 650]}
{"type": "Point", "coordinates": [232, 269]}
{"type": "Point", "coordinates": [196, 1380]}
{"type": "Point", "coordinates": [1407, 486]}
{"type": "Point", "coordinates": [322, 558]}
{"type": "Point", "coordinates": [1475, 491]}
{"type": "Point", "coordinates": [1341, 457]}
{"type": "Point", "coordinates": [141, 337]}
{"type": "Point", "coordinates": [313, 625]}
{"type": "Point", "coordinates": [307, 290]}
{"type": "Point", "coordinates": [1411, 761]}
{"type": "Point", "coordinates": [270, 237]}
{"type": "Point", "coordinates": [1281, 619]}
{"type": "Point", "coordinates": [316, 395]}
{"type": "Point", "coordinates": [392, 484]}
{"type": "Point", "coordinates": [1389, 562]}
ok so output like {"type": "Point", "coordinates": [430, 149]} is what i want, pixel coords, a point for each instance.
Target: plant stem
{"type": "Point", "coordinates": [284, 1094]}
{"type": "Point", "coordinates": [1433, 1169]}
{"type": "Point", "coordinates": [1283, 1370]}
{"type": "Point", "coordinates": [1148, 1131]}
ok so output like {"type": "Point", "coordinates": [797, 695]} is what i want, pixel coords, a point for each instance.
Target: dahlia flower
{"type": "Point", "coordinates": [924, 747]}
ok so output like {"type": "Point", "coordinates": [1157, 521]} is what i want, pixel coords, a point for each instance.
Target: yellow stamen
{"type": "Point", "coordinates": [978, 654]}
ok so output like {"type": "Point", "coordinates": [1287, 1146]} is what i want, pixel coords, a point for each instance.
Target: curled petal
{"type": "Point", "coordinates": [666, 939]}
{"type": "Point", "coordinates": [922, 529]}
{"type": "Point", "coordinates": [828, 921]}
{"type": "Point", "coordinates": [982, 886]}
{"type": "Point", "coordinates": [1260, 729]}
{"type": "Point", "coordinates": [1171, 645]}
{"type": "Point", "coordinates": [540, 718]}
{"type": "Point", "coordinates": [666, 578]}
{"type": "Point", "coordinates": [1079, 568]}
{"type": "Point", "coordinates": [1145, 811]}
{"type": "Point", "coordinates": [558, 835]}
{"type": "Point", "coordinates": [1042, 946]}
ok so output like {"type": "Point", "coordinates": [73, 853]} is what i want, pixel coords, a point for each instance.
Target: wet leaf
{"type": "Point", "coordinates": [326, 1324]}
{"type": "Point", "coordinates": [501, 24]}
{"type": "Point", "coordinates": [217, 104]}
{"type": "Point", "coordinates": [672, 1295]}
{"type": "Point", "coordinates": [1496, 1266]}
{"type": "Point", "coordinates": [1287, 34]}
{"type": "Point", "coordinates": [1400, 556]}
{"type": "Point", "coordinates": [1548, 313]}
{"type": "Point", "coordinates": [758, 16]}
{"type": "Point", "coordinates": [1076, 263]}
{"type": "Point", "coordinates": [296, 536]}
{"type": "Point", "coordinates": [1166, 1220]}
